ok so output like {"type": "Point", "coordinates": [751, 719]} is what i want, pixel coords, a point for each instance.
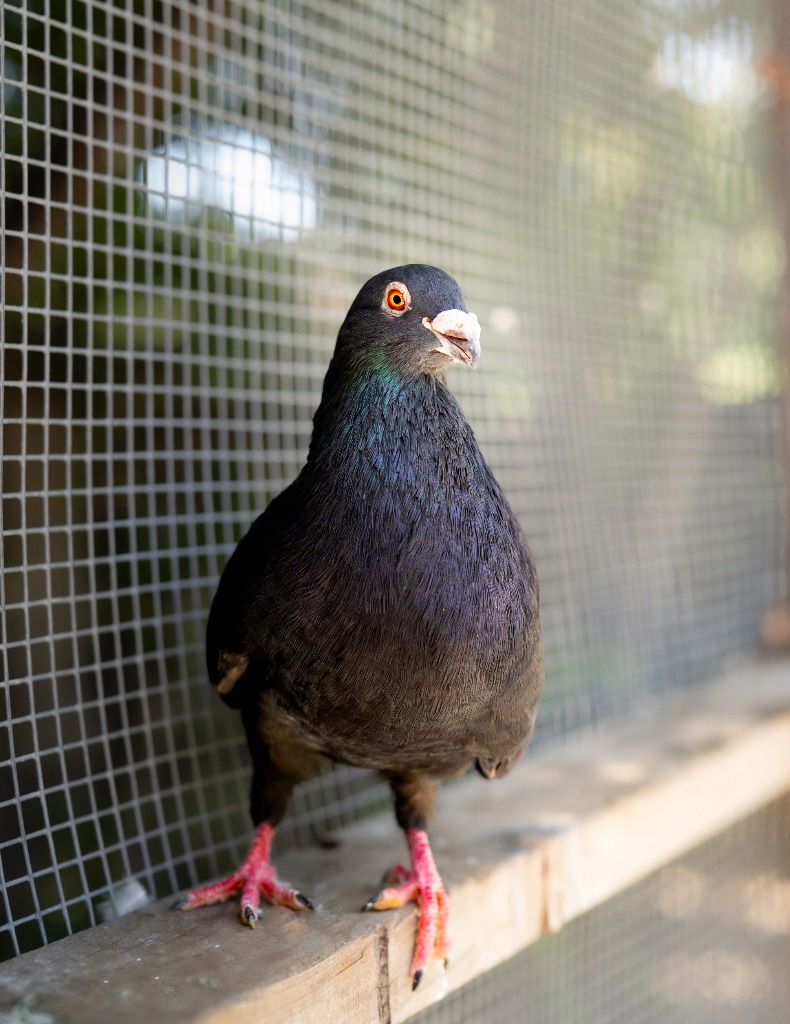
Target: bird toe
{"type": "Point", "coordinates": [396, 875]}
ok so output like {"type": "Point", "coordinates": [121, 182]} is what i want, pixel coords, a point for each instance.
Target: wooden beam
{"type": "Point", "coordinates": [572, 826]}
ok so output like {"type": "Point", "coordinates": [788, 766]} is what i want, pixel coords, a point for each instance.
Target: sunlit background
{"type": "Point", "coordinates": [194, 193]}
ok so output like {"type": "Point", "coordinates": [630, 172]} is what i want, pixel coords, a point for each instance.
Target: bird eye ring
{"type": "Point", "coordinates": [396, 299]}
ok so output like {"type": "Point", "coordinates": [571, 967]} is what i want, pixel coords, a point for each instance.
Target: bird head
{"type": "Point", "coordinates": [414, 318]}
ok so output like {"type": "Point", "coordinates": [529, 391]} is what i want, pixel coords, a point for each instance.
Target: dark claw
{"type": "Point", "coordinates": [415, 981]}
{"type": "Point", "coordinates": [446, 962]}
{"type": "Point", "coordinates": [368, 905]}
{"type": "Point", "coordinates": [305, 901]}
{"type": "Point", "coordinates": [249, 915]}
{"type": "Point", "coordinates": [180, 904]}
{"type": "Point", "coordinates": [326, 840]}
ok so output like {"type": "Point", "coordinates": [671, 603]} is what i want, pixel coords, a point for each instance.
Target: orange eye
{"type": "Point", "coordinates": [396, 299]}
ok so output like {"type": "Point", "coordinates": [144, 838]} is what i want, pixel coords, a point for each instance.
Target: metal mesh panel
{"type": "Point", "coordinates": [193, 194]}
{"type": "Point", "coordinates": [707, 938]}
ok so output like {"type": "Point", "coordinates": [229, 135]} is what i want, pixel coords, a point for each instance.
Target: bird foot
{"type": "Point", "coordinates": [423, 886]}
{"type": "Point", "coordinates": [256, 877]}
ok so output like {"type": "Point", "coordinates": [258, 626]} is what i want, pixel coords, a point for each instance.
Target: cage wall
{"type": "Point", "coordinates": [193, 195]}
{"type": "Point", "coordinates": [706, 938]}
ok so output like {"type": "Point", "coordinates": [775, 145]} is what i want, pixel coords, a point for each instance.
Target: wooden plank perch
{"type": "Point", "coordinates": [568, 829]}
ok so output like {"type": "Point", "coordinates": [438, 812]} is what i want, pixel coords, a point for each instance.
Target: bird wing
{"type": "Point", "coordinates": [242, 594]}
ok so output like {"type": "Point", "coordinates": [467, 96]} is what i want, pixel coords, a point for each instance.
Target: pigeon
{"type": "Point", "coordinates": [383, 611]}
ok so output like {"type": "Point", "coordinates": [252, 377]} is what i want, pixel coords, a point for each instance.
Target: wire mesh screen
{"type": "Point", "coordinates": [707, 938]}
{"type": "Point", "coordinates": [193, 194]}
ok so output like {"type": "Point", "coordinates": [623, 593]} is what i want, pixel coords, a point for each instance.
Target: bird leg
{"type": "Point", "coordinates": [424, 886]}
{"type": "Point", "coordinates": [256, 877]}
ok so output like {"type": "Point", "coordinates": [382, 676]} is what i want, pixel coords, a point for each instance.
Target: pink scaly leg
{"type": "Point", "coordinates": [422, 885]}
{"type": "Point", "coordinates": [256, 877]}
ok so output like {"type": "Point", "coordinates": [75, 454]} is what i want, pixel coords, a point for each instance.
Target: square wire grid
{"type": "Point", "coordinates": [193, 194]}
{"type": "Point", "coordinates": [705, 939]}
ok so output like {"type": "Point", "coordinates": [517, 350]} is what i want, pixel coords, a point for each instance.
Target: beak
{"type": "Point", "coordinates": [458, 334]}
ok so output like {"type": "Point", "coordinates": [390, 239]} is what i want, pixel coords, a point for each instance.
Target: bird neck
{"type": "Point", "coordinates": [376, 410]}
